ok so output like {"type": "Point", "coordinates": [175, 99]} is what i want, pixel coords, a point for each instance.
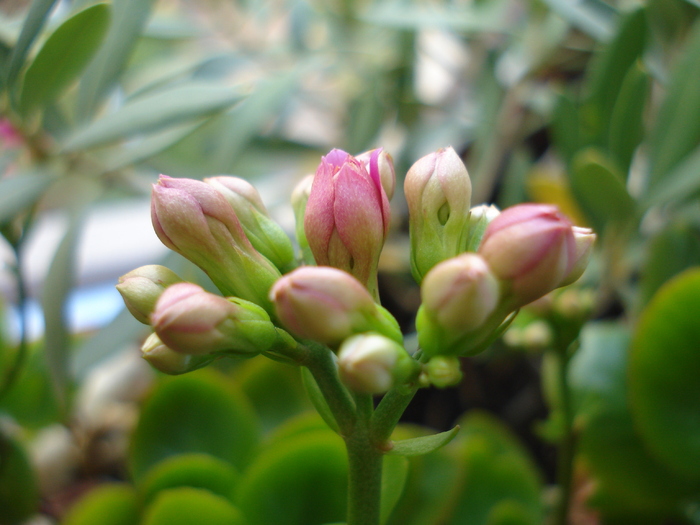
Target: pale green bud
{"type": "Point", "coordinates": [479, 219]}
{"type": "Point", "coordinates": [169, 361]}
{"type": "Point", "coordinates": [443, 371]}
{"type": "Point", "coordinates": [300, 196]}
{"type": "Point", "coordinates": [141, 288]}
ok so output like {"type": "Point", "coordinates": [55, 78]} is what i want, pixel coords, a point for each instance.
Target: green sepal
{"type": "Point", "coordinates": [317, 400]}
{"type": "Point", "coordinates": [422, 445]}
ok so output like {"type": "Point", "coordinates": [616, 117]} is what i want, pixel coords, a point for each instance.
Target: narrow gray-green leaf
{"type": "Point", "coordinates": [129, 18]}
{"type": "Point", "coordinates": [149, 146]}
{"type": "Point", "coordinates": [696, 3]}
{"type": "Point", "coordinates": [38, 12]}
{"type": "Point", "coordinates": [57, 286]}
{"type": "Point", "coordinates": [153, 112]}
{"type": "Point", "coordinates": [21, 191]}
{"type": "Point", "coordinates": [424, 444]}
{"type": "Point", "coordinates": [677, 131]}
{"type": "Point", "coordinates": [489, 16]}
{"type": "Point", "coordinates": [593, 17]}
{"type": "Point", "coordinates": [63, 56]}
{"type": "Point", "coordinates": [682, 182]}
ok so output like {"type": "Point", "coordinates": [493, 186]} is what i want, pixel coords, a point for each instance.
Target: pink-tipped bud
{"type": "Point", "coordinates": [300, 196]}
{"type": "Point", "coordinates": [372, 364]}
{"type": "Point", "coordinates": [347, 217]}
{"type": "Point", "coordinates": [328, 306]}
{"type": "Point", "coordinates": [379, 161]}
{"type": "Point", "coordinates": [141, 288]}
{"type": "Point", "coordinates": [585, 239]}
{"type": "Point", "coordinates": [193, 219]}
{"type": "Point", "coordinates": [169, 361]}
{"type": "Point", "coordinates": [192, 321]}
{"type": "Point", "coordinates": [265, 234]}
{"type": "Point", "coordinates": [438, 191]}
{"type": "Point", "coordinates": [532, 248]}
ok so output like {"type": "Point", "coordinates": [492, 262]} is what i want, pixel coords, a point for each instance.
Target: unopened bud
{"type": "Point", "coordinates": [300, 196]}
{"type": "Point", "coordinates": [141, 288]}
{"type": "Point", "coordinates": [328, 305]}
{"type": "Point", "coordinates": [264, 234]}
{"type": "Point", "coordinates": [347, 218]}
{"type": "Point", "coordinates": [443, 371]}
{"type": "Point", "coordinates": [585, 239]}
{"type": "Point", "coordinates": [192, 321]}
{"type": "Point", "coordinates": [438, 191]}
{"type": "Point", "coordinates": [479, 218]}
{"type": "Point", "coordinates": [193, 219]}
{"type": "Point", "coordinates": [372, 364]}
{"type": "Point", "coordinates": [379, 163]}
{"type": "Point", "coordinates": [169, 361]}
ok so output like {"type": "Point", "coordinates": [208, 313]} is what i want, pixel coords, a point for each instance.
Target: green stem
{"type": "Point", "coordinates": [389, 411]}
{"type": "Point", "coordinates": [565, 456]}
{"type": "Point", "coordinates": [364, 469]}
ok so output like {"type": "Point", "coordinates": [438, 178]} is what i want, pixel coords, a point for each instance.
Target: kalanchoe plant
{"type": "Point", "coordinates": [476, 268]}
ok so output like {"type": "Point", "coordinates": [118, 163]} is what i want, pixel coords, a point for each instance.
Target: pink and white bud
{"type": "Point", "coordinates": [379, 161]}
{"type": "Point", "coordinates": [438, 192]}
{"type": "Point", "coordinates": [460, 293]}
{"type": "Point", "coordinates": [265, 234]}
{"type": "Point", "coordinates": [141, 288]}
{"type": "Point", "coordinates": [372, 364]}
{"type": "Point", "coordinates": [192, 321]}
{"type": "Point", "coordinates": [479, 218]}
{"type": "Point", "coordinates": [347, 217]}
{"type": "Point", "coordinates": [193, 219]}
{"type": "Point", "coordinates": [328, 305]}
{"type": "Point", "coordinates": [585, 239]}
{"type": "Point", "coordinates": [169, 361]}
{"type": "Point", "coordinates": [532, 248]}
{"type": "Point", "coordinates": [300, 196]}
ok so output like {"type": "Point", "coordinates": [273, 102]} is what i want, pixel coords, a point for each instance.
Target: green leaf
{"type": "Point", "coordinates": [627, 120]}
{"type": "Point", "coordinates": [394, 476]}
{"type": "Point", "coordinates": [424, 444]}
{"type": "Point", "coordinates": [108, 504]}
{"type": "Point", "coordinates": [63, 56]}
{"type": "Point", "coordinates": [298, 482]}
{"type": "Point", "coordinates": [19, 495]}
{"type": "Point", "coordinates": [594, 17]}
{"type": "Point", "coordinates": [677, 131]}
{"type": "Point", "coordinates": [190, 470]}
{"type": "Point", "coordinates": [317, 400]}
{"type": "Point", "coordinates": [21, 191]}
{"type": "Point", "coordinates": [153, 112]}
{"type": "Point", "coordinates": [38, 12]}
{"type": "Point", "coordinates": [129, 17]}
{"type": "Point", "coordinates": [682, 183]}
{"type": "Point", "coordinates": [186, 506]}
{"type": "Point", "coordinates": [663, 375]}
{"type": "Point", "coordinates": [600, 191]}
{"type": "Point", "coordinates": [196, 413]}
{"type": "Point", "coordinates": [57, 287]}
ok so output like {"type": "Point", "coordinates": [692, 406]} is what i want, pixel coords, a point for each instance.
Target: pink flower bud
{"type": "Point", "coordinates": [532, 248]}
{"type": "Point", "coordinates": [585, 239]}
{"type": "Point", "coordinates": [438, 191]}
{"type": "Point", "coordinates": [460, 293]}
{"type": "Point", "coordinates": [372, 364]}
{"type": "Point", "coordinates": [141, 288]}
{"type": "Point", "coordinates": [193, 219]}
{"type": "Point", "coordinates": [192, 321]}
{"type": "Point", "coordinates": [347, 217]}
{"type": "Point", "coordinates": [169, 361]}
{"type": "Point", "coordinates": [300, 196]}
{"type": "Point", "coordinates": [328, 305]}
{"type": "Point", "coordinates": [379, 161]}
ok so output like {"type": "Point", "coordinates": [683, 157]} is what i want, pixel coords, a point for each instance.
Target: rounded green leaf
{"type": "Point", "coordinates": [19, 497]}
{"type": "Point", "coordinates": [191, 470]}
{"type": "Point", "coordinates": [197, 412]}
{"type": "Point", "coordinates": [64, 55]}
{"type": "Point", "coordinates": [664, 375]}
{"type": "Point", "coordinates": [111, 504]}
{"type": "Point", "coordinates": [187, 506]}
{"type": "Point", "coordinates": [298, 482]}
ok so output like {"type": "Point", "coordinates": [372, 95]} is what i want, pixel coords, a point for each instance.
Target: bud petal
{"type": "Point", "coordinates": [196, 221]}
{"type": "Point", "coordinates": [380, 162]}
{"type": "Point", "coordinates": [532, 248]}
{"type": "Point", "coordinates": [479, 218]}
{"type": "Point", "coordinates": [192, 321]}
{"type": "Point", "coordinates": [438, 191]}
{"type": "Point", "coordinates": [372, 364]}
{"type": "Point", "coordinates": [328, 306]}
{"type": "Point", "coordinates": [169, 361]}
{"type": "Point", "coordinates": [347, 217]}
{"type": "Point", "coordinates": [300, 196]}
{"type": "Point", "coordinates": [264, 234]}
{"type": "Point", "coordinates": [585, 239]}
{"type": "Point", "coordinates": [141, 288]}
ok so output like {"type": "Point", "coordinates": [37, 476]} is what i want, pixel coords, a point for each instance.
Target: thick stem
{"type": "Point", "coordinates": [565, 456]}
{"type": "Point", "coordinates": [364, 470]}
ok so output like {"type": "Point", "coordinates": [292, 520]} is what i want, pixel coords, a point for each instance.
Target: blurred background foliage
{"type": "Point", "coordinates": [590, 104]}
